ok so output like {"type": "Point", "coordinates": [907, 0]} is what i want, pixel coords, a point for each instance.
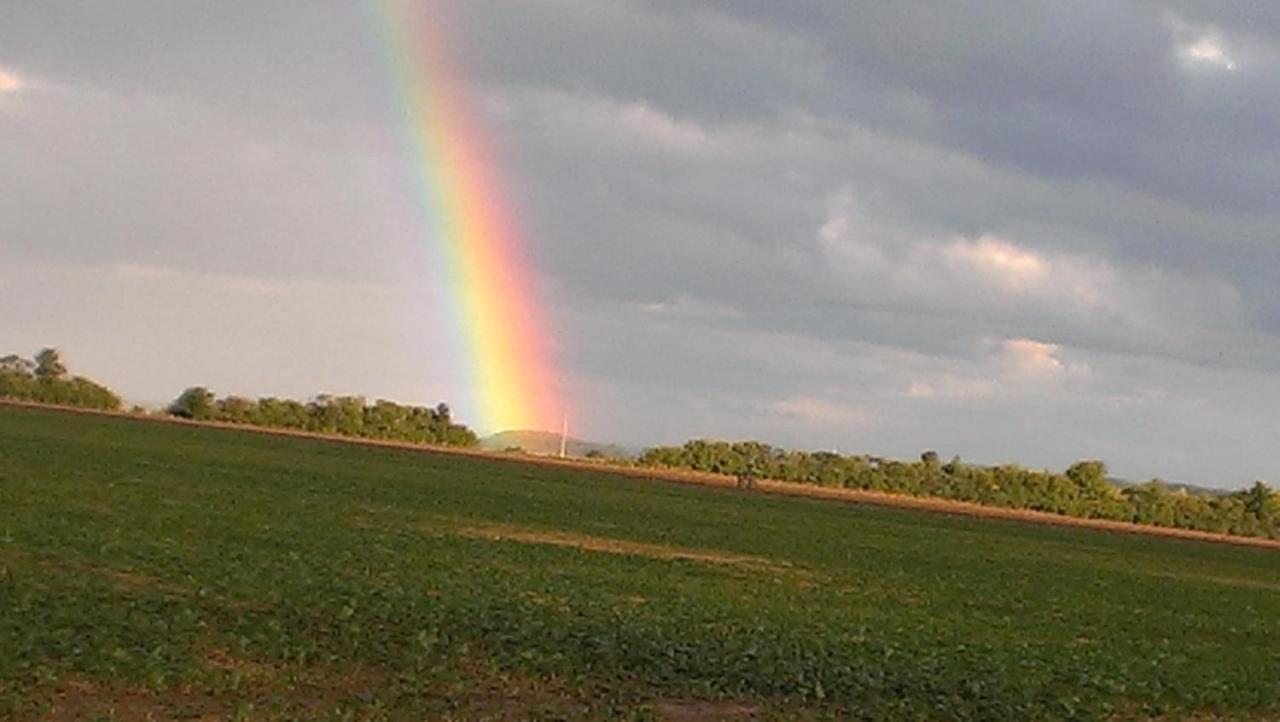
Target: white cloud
{"type": "Point", "coordinates": [1009, 369]}
{"type": "Point", "coordinates": [1025, 357]}
{"type": "Point", "coordinates": [1013, 267]}
{"type": "Point", "coordinates": [1207, 50]}
{"type": "Point", "coordinates": [1200, 45]}
{"type": "Point", "coordinates": [1009, 288]}
{"type": "Point", "coordinates": [918, 264]}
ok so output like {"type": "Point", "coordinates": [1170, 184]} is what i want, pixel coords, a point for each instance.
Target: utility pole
{"type": "Point", "coordinates": [564, 436]}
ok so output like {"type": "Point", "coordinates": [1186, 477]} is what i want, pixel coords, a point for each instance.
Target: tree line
{"type": "Point", "coordinates": [344, 415]}
{"type": "Point", "coordinates": [44, 379]}
{"type": "Point", "coordinates": [1083, 490]}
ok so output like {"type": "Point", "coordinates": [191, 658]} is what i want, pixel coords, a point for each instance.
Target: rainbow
{"type": "Point", "coordinates": [471, 226]}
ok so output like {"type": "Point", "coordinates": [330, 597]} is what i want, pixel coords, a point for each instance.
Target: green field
{"type": "Point", "coordinates": [191, 573]}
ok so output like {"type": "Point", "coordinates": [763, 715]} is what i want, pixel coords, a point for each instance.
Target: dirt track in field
{"type": "Point", "coordinates": [680, 476]}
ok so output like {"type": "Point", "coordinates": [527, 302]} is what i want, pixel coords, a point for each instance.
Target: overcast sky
{"type": "Point", "coordinates": [1013, 231]}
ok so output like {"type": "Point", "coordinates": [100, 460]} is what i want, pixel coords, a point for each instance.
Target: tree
{"type": "Point", "coordinates": [196, 402]}
{"type": "Point", "coordinates": [955, 466]}
{"type": "Point", "coordinates": [1087, 474]}
{"type": "Point", "coordinates": [237, 409]}
{"type": "Point", "coordinates": [49, 365]}
{"type": "Point", "coordinates": [15, 364]}
{"type": "Point", "coordinates": [1264, 504]}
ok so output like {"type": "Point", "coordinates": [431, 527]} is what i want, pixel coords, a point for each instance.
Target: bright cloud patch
{"type": "Point", "coordinates": [1027, 360]}
{"type": "Point", "coordinates": [9, 82]}
{"type": "Point", "coordinates": [1032, 358]}
{"type": "Point", "coordinates": [1207, 50]}
{"type": "Point", "coordinates": [1012, 266]}
{"type": "Point", "coordinates": [1022, 289]}
{"type": "Point", "coordinates": [1012, 366]}
{"type": "Point", "coordinates": [1200, 45]}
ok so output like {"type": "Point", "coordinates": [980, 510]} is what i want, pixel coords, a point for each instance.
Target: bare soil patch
{"type": "Point", "coordinates": [84, 700]}
{"type": "Point", "coordinates": [234, 689]}
{"type": "Point", "coordinates": [618, 546]}
{"type": "Point", "coordinates": [700, 711]}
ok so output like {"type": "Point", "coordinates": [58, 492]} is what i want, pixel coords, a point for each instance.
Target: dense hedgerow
{"type": "Point", "coordinates": [1083, 490]}
{"type": "Point", "coordinates": [45, 380]}
{"type": "Point", "coordinates": [345, 415]}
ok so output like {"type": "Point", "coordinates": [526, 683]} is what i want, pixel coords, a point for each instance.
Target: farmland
{"type": "Point", "coordinates": [191, 573]}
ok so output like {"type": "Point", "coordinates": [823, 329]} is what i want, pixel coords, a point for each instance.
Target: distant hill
{"type": "Point", "coordinates": [548, 443]}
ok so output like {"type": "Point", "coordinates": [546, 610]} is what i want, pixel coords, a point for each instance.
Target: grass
{"type": "Point", "coordinates": [181, 572]}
